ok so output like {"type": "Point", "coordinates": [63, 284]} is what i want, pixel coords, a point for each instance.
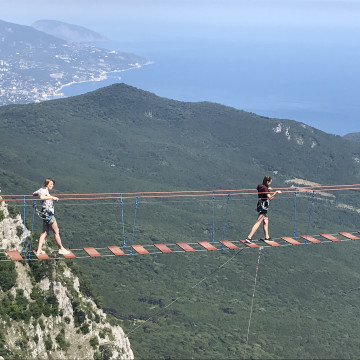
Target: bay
{"type": "Point", "coordinates": [310, 81]}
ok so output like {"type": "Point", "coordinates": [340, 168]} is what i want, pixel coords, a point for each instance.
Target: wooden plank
{"type": "Point", "coordinates": [251, 245]}
{"type": "Point", "coordinates": [270, 242]}
{"type": "Point", "coordinates": [311, 239]}
{"type": "Point", "coordinates": [41, 256]}
{"type": "Point", "coordinates": [163, 248]}
{"type": "Point", "coordinates": [69, 256]}
{"type": "Point", "coordinates": [349, 236]}
{"type": "Point", "coordinates": [92, 251]}
{"type": "Point", "coordinates": [229, 244]}
{"type": "Point", "coordinates": [290, 240]}
{"type": "Point", "coordinates": [14, 255]}
{"type": "Point", "coordinates": [116, 250]}
{"type": "Point", "coordinates": [329, 237]}
{"type": "Point", "coordinates": [185, 247]}
{"type": "Point", "coordinates": [207, 245]}
{"type": "Point", "coordinates": [140, 249]}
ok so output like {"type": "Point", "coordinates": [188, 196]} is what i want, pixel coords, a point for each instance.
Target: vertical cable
{"type": "Point", "coordinates": [213, 218]}
{"type": "Point", "coordinates": [310, 213]}
{"type": "Point", "coordinates": [32, 228]}
{"type": "Point", "coordinates": [295, 214]}
{"type": "Point", "coordinates": [122, 220]}
{"type": "Point", "coordinates": [226, 215]}
{"type": "Point", "coordinates": [133, 231]}
{"type": "Point", "coordinates": [24, 243]}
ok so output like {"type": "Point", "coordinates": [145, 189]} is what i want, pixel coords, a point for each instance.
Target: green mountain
{"type": "Point", "coordinates": [121, 139]}
{"type": "Point", "coordinates": [353, 136]}
{"type": "Point", "coordinates": [67, 32]}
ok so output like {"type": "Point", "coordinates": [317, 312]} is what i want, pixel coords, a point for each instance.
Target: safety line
{"type": "Point", "coordinates": [185, 292]}
{"type": "Point", "coordinates": [253, 295]}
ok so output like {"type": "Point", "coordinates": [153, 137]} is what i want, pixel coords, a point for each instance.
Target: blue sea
{"type": "Point", "coordinates": [313, 79]}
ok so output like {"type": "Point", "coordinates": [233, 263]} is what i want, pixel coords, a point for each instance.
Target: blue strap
{"type": "Point", "coordinates": [24, 243]}
{"type": "Point", "coordinates": [133, 230]}
{"type": "Point", "coordinates": [310, 213]}
{"type": "Point", "coordinates": [226, 214]}
{"type": "Point", "coordinates": [213, 218]}
{"type": "Point", "coordinates": [295, 214]}
{"type": "Point", "coordinates": [122, 220]}
{"type": "Point", "coordinates": [32, 228]}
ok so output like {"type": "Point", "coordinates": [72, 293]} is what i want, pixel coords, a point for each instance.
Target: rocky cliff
{"type": "Point", "coordinates": [48, 309]}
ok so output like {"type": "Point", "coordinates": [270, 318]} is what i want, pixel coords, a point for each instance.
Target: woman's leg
{"type": "Point", "coordinates": [56, 231]}
{"type": "Point", "coordinates": [266, 227]}
{"type": "Point", "coordinates": [42, 237]}
{"type": "Point", "coordinates": [256, 225]}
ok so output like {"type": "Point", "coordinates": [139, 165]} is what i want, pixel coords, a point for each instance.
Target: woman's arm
{"type": "Point", "coordinates": [48, 197]}
{"type": "Point", "coordinates": [271, 196]}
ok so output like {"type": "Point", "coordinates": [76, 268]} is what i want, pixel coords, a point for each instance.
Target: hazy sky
{"type": "Point", "coordinates": [271, 12]}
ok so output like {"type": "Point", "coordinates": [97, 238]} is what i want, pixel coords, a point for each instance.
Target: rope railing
{"type": "Point", "coordinates": [181, 193]}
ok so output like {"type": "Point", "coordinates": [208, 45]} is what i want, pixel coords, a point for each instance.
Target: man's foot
{"type": "Point", "coordinates": [248, 241]}
{"type": "Point", "coordinates": [40, 252]}
{"type": "Point", "coordinates": [64, 252]}
{"type": "Point", "coordinates": [268, 239]}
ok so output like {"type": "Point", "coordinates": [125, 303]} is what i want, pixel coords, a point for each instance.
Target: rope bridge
{"type": "Point", "coordinates": [179, 247]}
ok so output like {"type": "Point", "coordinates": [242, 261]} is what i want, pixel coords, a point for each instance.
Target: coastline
{"type": "Point", "coordinates": [104, 75]}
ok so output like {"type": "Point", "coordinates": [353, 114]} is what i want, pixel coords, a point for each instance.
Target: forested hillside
{"type": "Point", "coordinates": [353, 136]}
{"type": "Point", "coordinates": [121, 139]}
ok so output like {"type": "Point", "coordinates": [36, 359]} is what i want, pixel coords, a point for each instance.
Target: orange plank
{"type": "Point", "coordinates": [14, 255]}
{"type": "Point", "coordinates": [42, 256]}
{"type": "Point", "coordinates": [311, 239]}
{"type": "Point", "coordinates": [291, 240]}
{"type": "Point", "coordinates": [140, 249]}
{"type": "Point", "coordinates": [329, 237]}
{"type": "Point", "coordinates": [69, 256]}
{"type": "Point", "coordinates": [163, 248]}
{"type": "Point", "coordinates": [116, 250]}
{"type": "Point", "coordinates": [92, 252]}
{"type": "Point", "coordinates": [349, 236]}
{"type": "Point", "coordinates": [229, 244]}
{"type": "Point", "coordinates": [185, 247]}
{"type": "Point", "coordinates": [252, 245]}
{"type": "Point", "coordinates": [207, 245]}
{"type": "Point", "coordinates": [270, 242]}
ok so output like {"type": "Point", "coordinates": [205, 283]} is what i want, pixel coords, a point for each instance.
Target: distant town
{"type": "Point", "coordinates": [35, 66]}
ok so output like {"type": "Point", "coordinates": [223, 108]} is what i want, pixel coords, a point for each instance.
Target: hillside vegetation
{"type": "Point", "coordinates": [121, 139]}
{"type": "Point", "coordinates": [49, 310]}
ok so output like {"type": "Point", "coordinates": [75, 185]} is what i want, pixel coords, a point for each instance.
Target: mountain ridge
{"type": "Point", "coordinates": [122, 139]}
{"type": "Point", "coordinates": [67, 32]}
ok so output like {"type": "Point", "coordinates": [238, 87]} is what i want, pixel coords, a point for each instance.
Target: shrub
{"type": "Point", "coordinates": [106, 351]}
{"type": "Point", "coordinates": [13, 211]}
{"type": "Point", "coordinates": [8, 275]}
{"type": "Point", "coordinates": [35, 310]}
{"type": "Point", "coordinates": [85, 329]}
{"type": "Point", "coordinates": [19, 231]}
{"type": "Point", "coordinates": [79, 317]}
{"type": "Point", "coordinates": [60, 339]}
{"type": "Point", "coordinates": [2, 215]}
{"type": "Point", "coordinates": [48, 343]}
{"type": "Point", "coordinates": [94, 341]}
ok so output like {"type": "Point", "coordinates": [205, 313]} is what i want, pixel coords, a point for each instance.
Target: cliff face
{"type": "Point", "coordinates": [48, 310]}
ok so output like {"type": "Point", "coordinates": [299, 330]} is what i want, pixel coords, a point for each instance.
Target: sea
{"type": "Point", "coordinates": [313, 78]}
